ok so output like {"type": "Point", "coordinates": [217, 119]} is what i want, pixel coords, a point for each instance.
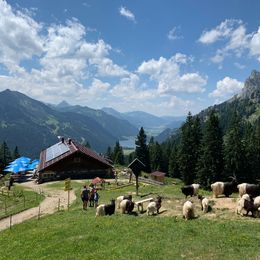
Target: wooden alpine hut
{"type": "Point", "coordinates": [70, 159]}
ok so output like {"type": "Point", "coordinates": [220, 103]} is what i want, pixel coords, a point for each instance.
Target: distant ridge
{"type": "Point", "coordinates": [33, 125]}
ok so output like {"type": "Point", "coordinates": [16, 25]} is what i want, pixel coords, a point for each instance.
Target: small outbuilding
{"type": "Point", "coordinates": [158, 176]}
{"type": "Point", "coordinates": [70, 159]}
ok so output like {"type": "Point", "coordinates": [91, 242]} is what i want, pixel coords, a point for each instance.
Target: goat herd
{"type": "Point", "coordinates": [249, 200]}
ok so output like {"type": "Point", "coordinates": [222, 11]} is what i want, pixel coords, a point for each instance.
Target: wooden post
{"type": "Point", "coordinates": [10, 221]}
{"type": "Point", "coordinates": [39, 212]}
{"type": "Point", "coordinates": [68, 199]}
{"type": "Point", "coordinates": [137, 184]}
{"type": "Point", "coordinates": [5, 206]}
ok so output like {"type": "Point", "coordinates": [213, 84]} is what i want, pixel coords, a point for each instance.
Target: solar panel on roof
{"type": "Point", "coordinates": [55, 151]}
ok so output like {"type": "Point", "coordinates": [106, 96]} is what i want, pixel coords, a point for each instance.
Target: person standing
{"type": "Point", "coordinates": [96, 198]}
{"type": "Point", "coordinates": [85, 197]}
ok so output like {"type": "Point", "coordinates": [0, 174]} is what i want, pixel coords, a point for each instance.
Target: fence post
{"type": "Point", "coordinates": [39, 212]}
{"type": "Point", "coordinates": [5, 206]}
{"type": "Point", "coordinates": [10, 221]}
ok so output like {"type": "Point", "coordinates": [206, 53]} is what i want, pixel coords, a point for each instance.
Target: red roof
{"type": "Point", "coordinates": [157, 173]}
{"type": "Point", "coordinates": [97, 180]}
{"type": "Point", "coordinates": [74, 147]}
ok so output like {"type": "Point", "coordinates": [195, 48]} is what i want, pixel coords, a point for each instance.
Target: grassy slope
{"type": "Point", "coordinates": [19, 199]}
{"type": "Point", "coordinates": [77, 234]}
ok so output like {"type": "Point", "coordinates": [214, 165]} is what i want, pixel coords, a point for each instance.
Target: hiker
{"type": "Point", "coordinates": [96, 198]}
{"type": "Point", "coordinates": [85, 196]}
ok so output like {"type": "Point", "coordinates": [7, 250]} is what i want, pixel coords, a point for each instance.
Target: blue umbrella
{"type": "Point", "coordinates": [23, 159]}
{"type": "Point", "coordinates": [15, 168]}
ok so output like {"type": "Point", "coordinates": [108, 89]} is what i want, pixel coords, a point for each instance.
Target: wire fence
{"type": "Point", "coordinates": [16, 200]}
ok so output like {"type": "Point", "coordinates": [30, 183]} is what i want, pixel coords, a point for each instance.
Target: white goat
{"type": "Point", "coordinates": [217, 188]}
{"type": "Point", "coordinates": [196, 188]}
{"type": "Point", "coordinates": [257, 204]}
{"type": "Point", "coordinates": [151, 208]}
{"type": "Point", "coordinates": [241, 202]}
{"type": "Point", "coordinates": [241, 189]}
{"type": "Point", "coordinates": [188, 210]}
{"type": "Point", "coordinates": [100, 210]}
{"type": "Point", "coordinates": [204, 203]}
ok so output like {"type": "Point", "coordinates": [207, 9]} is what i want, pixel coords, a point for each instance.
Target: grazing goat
{"type": "Point", "coordinates": [251, 189]}
{"type": "Point", "coordinates": [204, 202]}
{"type": "Point", "coordinates": [247, 204]}
{"type": "Point", "coordinates": [154, 206]}
{"type": "Point", "coordinates": [257, 204]}
{"type": "Point", "coordinates": [188, 210]}
{"type": "Point", "coordinates": [226, 188]}
{"type": "Point", "coordinates": [120, 198]}
{"type": "Point", "coordinates": [127, 206]}
{"type": "Point", "coordinates": [106, 209]}
{"type": "Point", "coordinates": [190, 190]}
{"type": "Point", "coordinates": [241, 203]}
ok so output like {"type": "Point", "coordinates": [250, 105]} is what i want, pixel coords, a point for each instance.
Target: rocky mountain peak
{"type": "Point", "coordinates": [251, 89]}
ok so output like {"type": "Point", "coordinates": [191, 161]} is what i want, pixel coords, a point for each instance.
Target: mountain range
{"type": "Point", "coordinates": [32, 125]}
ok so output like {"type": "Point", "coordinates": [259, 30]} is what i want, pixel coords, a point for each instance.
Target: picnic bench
{"type": "Point", "coordinates": [140, 203]}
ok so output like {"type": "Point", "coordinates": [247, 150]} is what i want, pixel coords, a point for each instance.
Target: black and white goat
{"type": "Point", "coordinates": [121, 198]}
{"type": "Point", "coordinates": [127, 206]}
{"type": "Point", "coordinates": [190, 190]}
{"type": "Point", "coordinates": [226, 188]}
{"type": "Point", "coordinates": [106, 209]}
{"type": "Point", "coordinates": [154, 206]}
{"type": "Point", "coordinates": [251, 189]}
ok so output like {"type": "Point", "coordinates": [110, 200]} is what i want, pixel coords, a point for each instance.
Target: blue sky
{"type": "Point", "coordinates": [161, 57]}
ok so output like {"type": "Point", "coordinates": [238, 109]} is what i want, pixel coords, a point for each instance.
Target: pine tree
{"type": "Point", "coordinates": [210, 163]}
{"type": "Point", "coordinates": [174, 168]}
{"type": "Point", "coordinates": [16, 153]}
{"type": "Point", "coordinates": [252, 153]}
{"type": "Point", "coordinates": [109, 153]}
{"type": "Point", "coordinates": [234, 150]}
{"type": "Point", "coordinates": [189, 148]}
{"type": "Point", "coordinates": [155, 154]}
{"type": "Point", "coordinates": [5, 154]}
{"type": "Point", "coordinates": [118, 154]}
{"type": "Point", "coordinates": [141, 150]}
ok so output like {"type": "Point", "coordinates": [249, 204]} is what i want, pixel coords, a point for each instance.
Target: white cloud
{"type": "Point", "coordinates": [221, 31]}
{"type": "Point", "coordinates": [19, 36]}
{"type": "Point", "coordinates": [65, 65]}
{"type": "Point", "coordinates": [127, 13]}
{"type": "Point", "coordinates": [226, 88]}
{"type": "Point", "coordinates": [235, 38]}
{"type": "Point", "coordinates": [255, 43]}
{"type": "Point", "coordinates": [173, 34]}
{"type": "Point", "coordinates": [167, 74]}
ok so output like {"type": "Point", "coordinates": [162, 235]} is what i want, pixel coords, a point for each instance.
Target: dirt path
{"type": "Point", "coordinates": [48, 206]}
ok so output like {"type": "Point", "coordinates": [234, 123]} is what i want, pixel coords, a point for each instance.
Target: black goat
{"type": "Point", "coordinates": [129, 206]}
{"type": "Point", "coordinates": [253, 190]}
{"type": "Point", "coordinates": [110, 208]}
{"type": "Point", "coordinates": [190, 190]}
{"type": "Point", "coordinates": [249, 206]}
{"type": "Point", "coordinates": [106, 209]}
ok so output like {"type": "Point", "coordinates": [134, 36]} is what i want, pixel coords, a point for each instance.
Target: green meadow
{"type": "Point", "coordinates": [78, 234]}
